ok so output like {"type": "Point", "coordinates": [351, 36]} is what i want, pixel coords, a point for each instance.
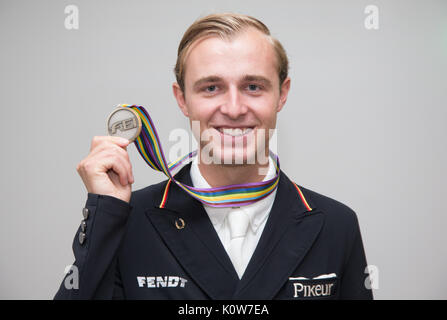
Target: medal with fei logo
{"type": "Point", "coordinates": [125, 123]}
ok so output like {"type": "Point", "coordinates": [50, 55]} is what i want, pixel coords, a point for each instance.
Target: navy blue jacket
{"type": "Point", "coordinates": [140, 250]}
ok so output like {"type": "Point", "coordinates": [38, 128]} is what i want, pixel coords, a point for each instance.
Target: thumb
{"type": "Point", "coordinates": [122, 142]}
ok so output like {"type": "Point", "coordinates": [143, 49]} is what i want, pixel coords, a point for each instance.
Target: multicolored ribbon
{"type": "Point", "coordinates": [149, 146]}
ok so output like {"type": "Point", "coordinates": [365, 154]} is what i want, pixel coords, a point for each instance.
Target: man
{"type": "Point", "coordinates": [161, 243]}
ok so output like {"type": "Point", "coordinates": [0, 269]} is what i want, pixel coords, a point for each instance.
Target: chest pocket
{"type": "Point", "coordinates": [322, 287]}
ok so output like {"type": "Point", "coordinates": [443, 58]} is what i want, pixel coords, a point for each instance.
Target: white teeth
{"type": "Point", "coordinates": [235, 132]}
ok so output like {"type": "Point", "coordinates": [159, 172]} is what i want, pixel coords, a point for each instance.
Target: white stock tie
{"type": "Point", "coordinates": [238, 221]}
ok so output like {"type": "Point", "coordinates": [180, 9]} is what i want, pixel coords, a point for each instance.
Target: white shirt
{"type": "Point", "coordinates": [257, 212]}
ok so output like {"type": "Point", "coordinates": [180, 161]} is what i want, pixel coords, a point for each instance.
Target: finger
{"type": "Point", "coordinates": [113, 151]}
{"type": "Point", "coordinates": [131, 178]}
{"type": "Point", "coordinates": [123, 158]}
{"type": "Point", "coordinates": [118, 165]}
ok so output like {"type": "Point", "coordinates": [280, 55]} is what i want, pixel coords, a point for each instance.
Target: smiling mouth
{"type": "Point", "coordinates": [235, 132]}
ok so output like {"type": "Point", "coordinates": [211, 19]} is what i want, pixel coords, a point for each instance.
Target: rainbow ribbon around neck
{"type": "Point", "coordinates": [149, 146]}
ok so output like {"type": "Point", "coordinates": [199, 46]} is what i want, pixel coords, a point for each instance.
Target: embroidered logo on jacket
{"type": "Point", "coordinates": [321, 286]}
{"type": "Point", "coordinates": [161, 282]}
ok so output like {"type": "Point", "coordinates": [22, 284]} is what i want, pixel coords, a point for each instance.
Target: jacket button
{"type": "Point", "coordinates": [81, 237]}
{"type": "Point", "coordinates": [85, 213]}
{"type": "Point", "coordinates": [83, 225]}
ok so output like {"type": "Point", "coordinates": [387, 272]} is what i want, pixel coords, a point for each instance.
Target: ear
{"type": "Point", "coordinates": [285, 87]}
{"type": "Point", "coordinates": [180, 97]}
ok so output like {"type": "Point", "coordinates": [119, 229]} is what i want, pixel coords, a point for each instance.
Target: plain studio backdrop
{"type": "Point", "coordinates": [365, 121]}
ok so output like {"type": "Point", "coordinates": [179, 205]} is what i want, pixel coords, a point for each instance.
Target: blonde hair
{"type": "Point", "coordinates": [225, 25]}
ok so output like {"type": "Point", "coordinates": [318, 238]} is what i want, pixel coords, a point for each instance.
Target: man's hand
{"type": "Point", "coordinates": [107, 169]}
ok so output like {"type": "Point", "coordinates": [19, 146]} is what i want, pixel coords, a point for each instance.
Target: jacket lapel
{"type": "Point", "coordinates": [197, 246]}
{"type": "Point", "coordinates": [288, 235]}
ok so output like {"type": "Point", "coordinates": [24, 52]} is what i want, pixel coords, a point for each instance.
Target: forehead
{"type": "Point", "coordinates": [248, 52]}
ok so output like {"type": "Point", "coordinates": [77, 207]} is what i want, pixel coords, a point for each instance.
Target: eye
{"type": "Point", "coordinates": [212, 88]}
{"type": "Point", "coordinates": [254, 87]}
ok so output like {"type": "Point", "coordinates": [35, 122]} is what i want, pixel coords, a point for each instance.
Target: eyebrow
{"type": "Point", "coordinates": [266, 82]}
{"type": "Point", "coordinates": [209, 79]}
{"type": "Point", "coordinates": [213, 79]}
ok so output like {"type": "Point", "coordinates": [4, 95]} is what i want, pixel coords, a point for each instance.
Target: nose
{"type": "Point", "coordinates": [233, 107]}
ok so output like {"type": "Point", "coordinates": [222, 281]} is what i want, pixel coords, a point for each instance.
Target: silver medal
{"type": "Point", "coordinates": [125, 123]}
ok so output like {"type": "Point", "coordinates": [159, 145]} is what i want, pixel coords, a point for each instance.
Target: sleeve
{"type": "Point", "coordinates": [354, 278]}
{"type": "Point", "coordinates": [95, 274]}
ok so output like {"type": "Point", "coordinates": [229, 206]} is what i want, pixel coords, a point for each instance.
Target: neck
{"type": "Point", "coordinates": [218, 175]}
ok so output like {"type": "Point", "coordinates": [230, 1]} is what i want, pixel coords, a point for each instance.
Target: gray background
{"type": "Point", "coordinates": [364, 122]}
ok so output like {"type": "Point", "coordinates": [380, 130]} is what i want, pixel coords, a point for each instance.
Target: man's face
{"type": "Point", "coordinates": [232, 88]}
